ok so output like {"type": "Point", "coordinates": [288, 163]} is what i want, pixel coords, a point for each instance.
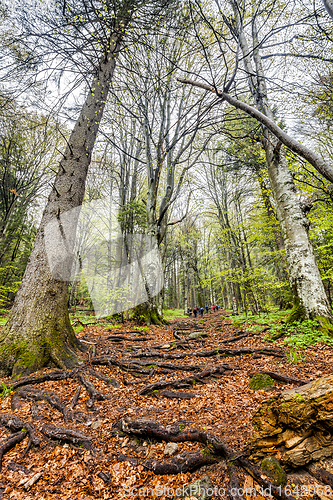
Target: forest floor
{"type": "Point", "coordinates": [92, 463]}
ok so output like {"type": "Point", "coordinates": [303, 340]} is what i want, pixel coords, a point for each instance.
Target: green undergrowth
{"type": "Point", "coordinates": [5, 391]}
{"type": "Point", "coordinates": [115, 326]}
{"type": "Point", "coordinates": [4, 313]}
{"type": "Point", "coordinates": [256, 322]}
{"type": "Point", "coordinates": [144, 329]}
{"type": "Point", "coordinates": [296, 336]}
{"type": "Point", "coordinates": [78, 328]}
{"type": "Point", "coordinates": [304, 334]}
{"type": "Point", "coordinates": [174, 313]}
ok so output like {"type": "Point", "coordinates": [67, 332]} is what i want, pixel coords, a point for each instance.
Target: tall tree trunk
{"type": "Point", "coordinates": [39, 332]}
{"type": "Point", "coordinates": [310, 299]}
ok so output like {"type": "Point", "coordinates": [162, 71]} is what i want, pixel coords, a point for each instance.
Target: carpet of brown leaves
{"type": "Point", "coordinates": [223, 405]}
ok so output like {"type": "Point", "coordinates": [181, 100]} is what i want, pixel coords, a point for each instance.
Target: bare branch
{"type": "Point", "coordinates": [318, 163]}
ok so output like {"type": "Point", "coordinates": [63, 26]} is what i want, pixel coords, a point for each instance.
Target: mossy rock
{"type": "Point", "coordinates": [295, 426]}
{"type": "Point", "coordinates": [261, 382]}
{"type": "Point", "coordinates": [272, 468]}
{"type": "Point", "coordinates": [202, 489]}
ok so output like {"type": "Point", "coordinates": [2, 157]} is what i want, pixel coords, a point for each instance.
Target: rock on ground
{"type": "Point", "coordinates": [297, 426]}
{"type": "Point", "coordinates": [202, 489]}
{"type": "Point", "coordinates": [170, 449]}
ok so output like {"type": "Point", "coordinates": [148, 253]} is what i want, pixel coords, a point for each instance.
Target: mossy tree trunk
{"type": "Point", "coordinates": [38, 332]}
{"type": "Point", "coordinates": [149, 313]}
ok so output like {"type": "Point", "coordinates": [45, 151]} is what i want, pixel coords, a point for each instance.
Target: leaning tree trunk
{"type": "Point", "coordinates": [39, 332]}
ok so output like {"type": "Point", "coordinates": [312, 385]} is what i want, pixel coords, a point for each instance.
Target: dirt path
{"type": "Point", "coordinates": [71, 423]}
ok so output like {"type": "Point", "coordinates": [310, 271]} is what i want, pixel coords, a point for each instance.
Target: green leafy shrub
{"type": "Point", "coordinates": [301, 334]}
{"type": "Point", "coordinates": [5, 391]}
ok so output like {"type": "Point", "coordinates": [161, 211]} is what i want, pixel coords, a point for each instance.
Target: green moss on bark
{"type": "Point", "coordinates": [298, 312]}
{"type": "Point", "coordinates": [148, 314]}
{"type": "Point", "coordinates": [261, 382]}
{"type": "Point", "coordinates": [40, 349]}
{"type": "Point", "coordinates": [272, 468]}
{"type": "Point", "coordinates": [326, 325]}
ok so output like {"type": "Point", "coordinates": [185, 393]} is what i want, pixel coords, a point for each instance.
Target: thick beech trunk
{"type": "Point", "coordinates": [149, 312]}
{"type": "Point", "coordinates": [39, 332]}
{"type": "Point", "coordinates": [310, 299]}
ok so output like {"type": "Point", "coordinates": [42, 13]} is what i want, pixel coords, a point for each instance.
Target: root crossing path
{"type": "Point", "coordinates": [101, 430]}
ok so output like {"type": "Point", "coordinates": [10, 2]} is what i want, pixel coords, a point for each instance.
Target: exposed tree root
{"type": "Point", "coordinates": [178, 337]}
{"type": "Point", "coordinates": [184, 462]}
{"type": "Point", "coordinates": [183, 325]}
{"type": "Point", "coordinates": [122, 333]}
{"type": "Point", "coordinates": [75, 398]}
{"type": "Point", "coordinates": [8, 443]}
{"type": "Point", "coordinates": [181, 344]}
{"type": "Point", "coordinates": [68, 435]}
{"type": "Point", "coordinates": [242, 336]}
{"type": "Point", "coordinates": [174, 433]}
{"type": "Point", "coordinates": [212, 352]}
{"type": "Point", "coordinates": [100, 376]}
{"type": "Point", "coordinates": [15, 424]}
{"type": "Point", "coordinates": [281, 378]}
{"type": "Point", "coordinates": [33, 394]}
{"type": "Point", "coordinates": [94, 394]}
{"type": "Point", "coordinates": [177, 395]}
{"type": "Point", "coordinates": [213, 449]}
{"type": "Point", "coordinates": [121, 338]}
{"type": "Point", "coordinates": [196, 377]}
{"type": "Point", "coordinates": [105, 476]}
{"type": "Point", "coordinates": [55, 375]}
{"type": "Point", "coordinates": [169, 366]}
{"type": "Point", "coordinates": [136, 368]}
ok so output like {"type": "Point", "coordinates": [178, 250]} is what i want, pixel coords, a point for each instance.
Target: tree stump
{"type": "Point", "coordinates": [296, 427]}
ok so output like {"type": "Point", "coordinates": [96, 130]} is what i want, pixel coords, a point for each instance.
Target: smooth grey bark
{"type": "Point", "coordinates": [39, 332]}
{"type": "Point", "coordinates": [310, 296]}
{"type": "Point", "coordinates": [164, 153]}
{"type": "Point", "coordinates": [329, 7]}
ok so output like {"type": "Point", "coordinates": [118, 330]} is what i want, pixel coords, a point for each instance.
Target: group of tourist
{"type": "Point", "coordinates": [200, 310]}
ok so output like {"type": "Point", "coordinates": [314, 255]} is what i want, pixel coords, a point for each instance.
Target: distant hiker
{"type": "Point", "coordinates": [195, 310]}
{"type": "Point", "coordinates": [206, 307]}
{"type": "Point", "coordinates": [213, 307]}
{"type": "Point", "coordinates": [189, 311]}
{"type": "Point", "coordinates": [218, 307]}
{"type": "Point", "coordinates": [202, 311]}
